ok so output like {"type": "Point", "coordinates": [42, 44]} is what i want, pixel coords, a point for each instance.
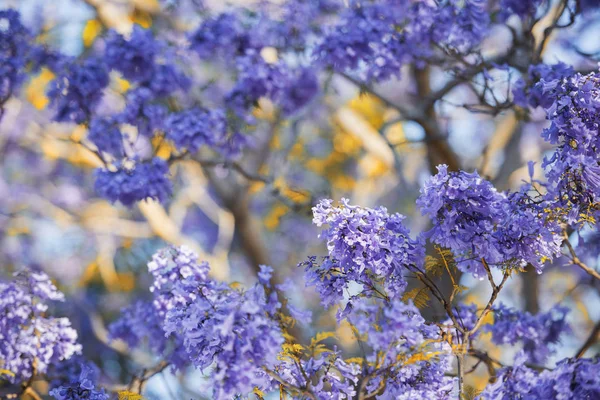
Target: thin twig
{"type": "Point", "coordinates": [592, 338]}
{"type": "Point", "coordinates": [576, 261]}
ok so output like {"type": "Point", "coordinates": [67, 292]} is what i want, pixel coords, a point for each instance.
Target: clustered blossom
{"type": "Point", "coordinates": [14, 48]}
{"type": "Point", "coordinates": [380, 37]}
{"type": "Point", "coordinates": [575, 378]}
{"type": "Point", "coordinates": [521, 8]}
{"type": "Point", "coordinates": [77, 89]}
{"type": "Point", "coordinates": [301, 88]}
{"type": "Point", "coordinates": [409, 354]}
{"type": "Point", "coordinates": [477, 222]}
{"type": "Point", "coordinates": [139, 325]}
{"type": "Point", "coordinates": [139, 59]}
{"type": "Point", "coordinates": [542, 77]}
{"type": "Point", "coordinates": [572, 105]}
{"type": "Point", "coordinates": [327, 375]}
{"type": "Point", "coordinates": [134, 58]}
{"type": "Point", "coordinates": [535, 332]}
{"type": "Point", "coordinates": [404, 358]}
{"type": "Point", "coordinates": [191, 129]}
{"type": "Point", "coordinates": [300, 21]}
{"type": "Point", "coordinates": [106, 135]}
{"type": "Point", "coordinates": [30, 341]}
{"type": "Point", "coordinates": [142, 111]}
{"type": "Point", "coordinates": [238, 38]}
{"type": "Point", "coordinates": [80, 387]}
{"type": "Point", "coordinates": [129, 184]}
{"type": "Point", "coordinates": [366, 246]}
{"type": "Point", "coordinates": [228, 34]}
{"type": "Point", "coordinates": [256, 78]}
{"type": "Point", "coordinates": [234, 333]}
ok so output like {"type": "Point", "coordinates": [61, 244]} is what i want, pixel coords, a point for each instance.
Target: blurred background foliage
{"type": "Point", "coordinates": [348, 143]}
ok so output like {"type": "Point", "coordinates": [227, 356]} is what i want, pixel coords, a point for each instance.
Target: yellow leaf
{"type": "Point", "coordinates": [355, 360]}
{"type": "Point", "coordinates": [162, 148]}
{"type": "Point", "coordinates": [236, 285]}
{"type": "Point", "coordinates": [118, 83]}
{"type": "Point", "coordinates": [319, 337]}
{"type": "Point", "coordinates": [141, 18]}
{"type": "Point", "coordinates": [259, 393]}
{"type": "Point", "coordinates": [419, 296]}
{"type": "Point", "coordinates": [36, 90]}
{"type": "Point", "coordinates": [273, 218]}
{"type": "Point", "coordinates": [469, 393]}
{"type": "Point", "coordinates": [459, 348]}
{"type": "Point", "coordinates": [127, 395]}
{"type": "Point", "coordinates": [291, 348]}
{"type": "Point", "coordinates": [6, 372]}
{"type": "Point", "coordinates": [91, 31]}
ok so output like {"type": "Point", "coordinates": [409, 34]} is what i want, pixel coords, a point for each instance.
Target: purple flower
{"type": "Point", "coordinates": [28, 337]}
{"type": "Point", "coordinates": [104, 132]}
{"type": "Point", "coordinates": [522, 8]}
{"type": "Point", "coordinates": [77, 89]}
{"type": "Point", "coordinates": [233, 332]}
{"type": "Point", "coordinates": [131, 184]}
{"type": "Point", "coordinates": [378, 38]}
{"type": "Point", "coordinates": [227, 34]}
{"type": "Point", "coordinates": [571, 379]}
{"type": "Point", "coordinates": [82, 387]}
{"type": "Point", "coordinates": [14, 48]}
{"type": "Point", "coordinates": [366, 246]}
{"type": "Point", "coordinates": [194, 128]}
{"type": "Point", "coordinates": [536, 332]}
{"type": "Point", "coordinates": [300, 90]}
{"type": "Point", "coordinates": [478, 223]}
{"type": "Point", "coordinates": [134, 57]}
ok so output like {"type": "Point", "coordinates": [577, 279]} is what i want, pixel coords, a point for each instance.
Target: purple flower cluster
{"type": "Point", "coordinates": [380, 37]}
{"type": "Point", "coordinates": [142, 111]}
{"type": "Point", "coordinates": [300, 21]}
{"type": "Point", "coordinates": [191, 129]}
{"type": "Point", "coordinates": [137, 58]}
{"type": "Point", "coordinates": [522, 8]}
{"type": "Point", "coordinates": [134, 58]}
{"type": "Point", "coordinates": [256, 78]}
{"type": "Point", "coordinates": [14, 47]}
{"type": "Point", "coordinates": [238, 39]}
{"type": "Point", "coordinates": [573, 171]}
{"type": "Point", "coordinates": [394, 332]}
{"type": "Point", "coordinates": [366, 246]}
{"type": "Point", "coordinates": [571, 379]}
{"type": "Point", "coordinates": [228, 35]}
{"type": "Point", "coordinates": [80, 387]}
{"type": "Point", "coordinates": [235, 333]}
{"type": "Point", "coordinates": [30, 341]}
{"type": "Point", "coordinates": [77, 89]}
{"type": "Point", "coordinates": [536, 332]}
{"type": "Point", "coordinates": [478, 223]}
{"type": "Point", "coordinates": [141, 181]}
{"type": "Point", "coordinates": [327, 375]}
{"type": "Point", "coordinates": [301, 87]}
{"type": "Point", "coordinates": [140, 325]}
{"type": "Point", "coordinates": [106, 135]}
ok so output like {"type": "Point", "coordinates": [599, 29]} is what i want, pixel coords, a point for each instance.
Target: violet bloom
{"type": "Point", "coordinates": [131, 184]}
{"type": "Point", "coordinates": [31, 341]}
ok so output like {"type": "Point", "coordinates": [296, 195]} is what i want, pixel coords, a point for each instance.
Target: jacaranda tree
{"type": "Point", "coordinates": [208, 135]}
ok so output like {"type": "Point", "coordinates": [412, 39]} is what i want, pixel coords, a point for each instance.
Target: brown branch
{"type": "Point", "coordinates": [576, 261]}
{"type": "Point", "coordinates": [438, 149]}
{"type": "Point", "coordinates": [32, 393]}
{"type": "Point", "coordinates": [495, 291]}
{"type": "Point", "coordinates": [592, 338]}
{"type": "Point", "coordinates": [146, 375]}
